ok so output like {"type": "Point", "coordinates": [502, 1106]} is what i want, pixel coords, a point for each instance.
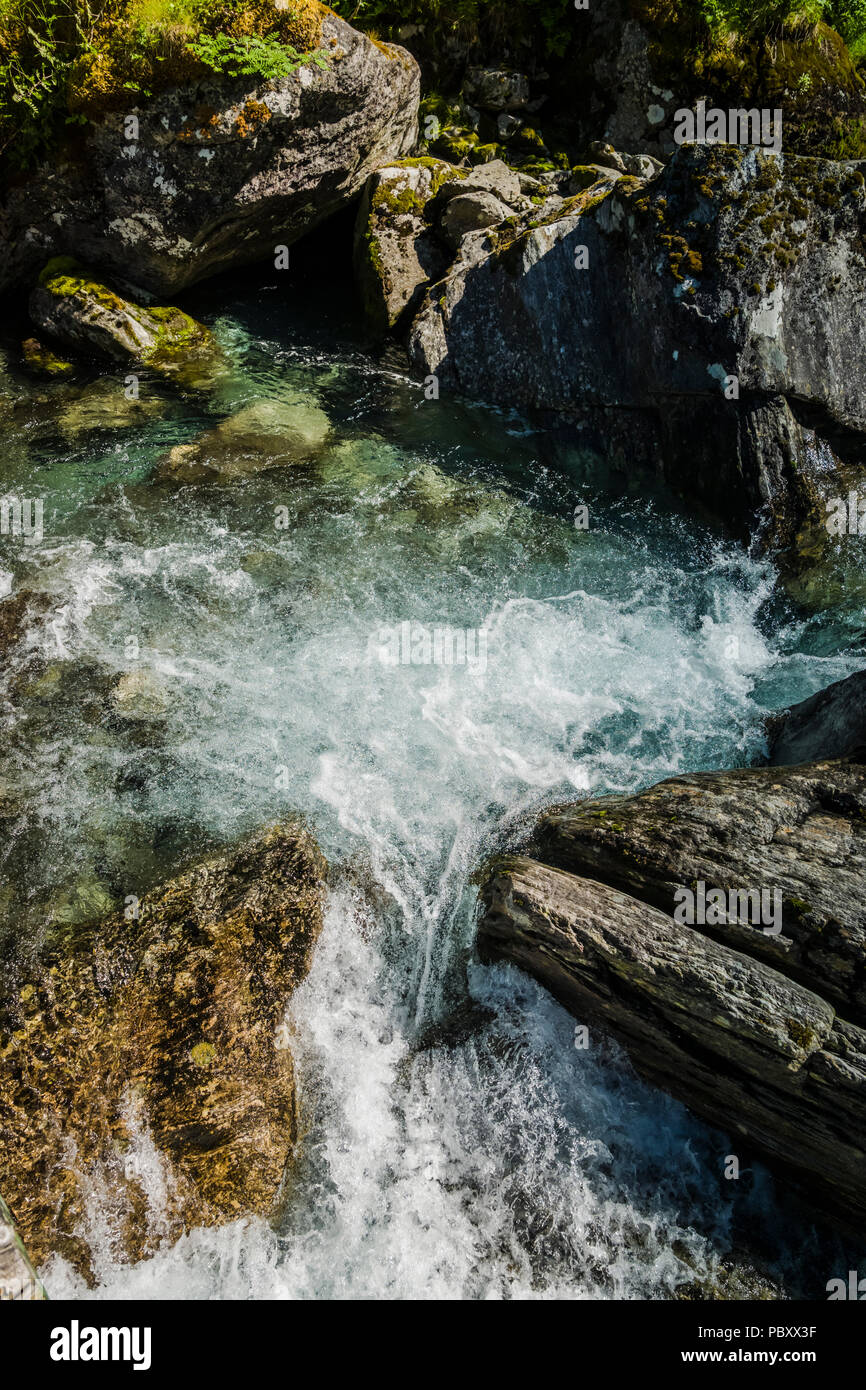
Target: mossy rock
{"type": "Point", "coordinates": [84, 314]}
{"type": "Point", "coordinates": [164, 1022]}
{"type": "Point", "coordinates": [42, 362]}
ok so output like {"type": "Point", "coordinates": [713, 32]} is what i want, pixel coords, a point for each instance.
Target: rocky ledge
{"type": "Point", "coordinates": [141, 1057]}
{"type": "Point", "coordinates": [705, 323]}
{"type": "Point", "coordinates": [634, 912]}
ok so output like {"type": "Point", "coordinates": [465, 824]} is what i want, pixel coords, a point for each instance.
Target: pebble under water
{"type": "Point", "coordinates": [456, 1143]}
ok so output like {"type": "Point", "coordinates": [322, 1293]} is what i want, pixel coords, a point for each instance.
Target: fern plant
{"type": "Point", "coordinates": [252, 55]}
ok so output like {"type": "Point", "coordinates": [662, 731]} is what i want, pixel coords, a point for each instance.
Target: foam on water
{"type": "Point", "coordinates": [456, 1143]}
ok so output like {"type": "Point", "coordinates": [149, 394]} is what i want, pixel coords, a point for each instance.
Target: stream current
{"type": "Point", "coordinates": [456, 1142]}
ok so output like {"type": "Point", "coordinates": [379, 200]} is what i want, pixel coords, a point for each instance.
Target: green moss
{"type": "Point", "coordinates": [43, 362]}
{"type": "Point", "coordinates": [800, 1033]}
{"type": "Point", "coordinates": [756, 57]}
{"type": "Point", "coordinates": [58, 265]}
{"type": "Point", "coordinates": [181, 346]}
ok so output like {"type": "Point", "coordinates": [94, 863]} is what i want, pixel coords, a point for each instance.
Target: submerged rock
{"type": "Point", "coordinates": [17, 612]}
{"type": "Point", "coordinates": [104, 405]}
{"type": "Point", "coordinates": [265, 434]}
{"type": "Point", "coordinates": [140, 695]}
{"type": "Point", "coordinates": [830, 724]}
{"type": "Point", "coordinates": [735, 1017]}
{"type": "Point", "coordinates": [223, 170]}
{"type": "Point", "coordinates": [702, 324]}
{"type": "Point", "coordinates": [143, 1054]}
{"type": "Point", "coordinates": [87, 316]}
{"type": "Point", "coordinates": [42, 362]}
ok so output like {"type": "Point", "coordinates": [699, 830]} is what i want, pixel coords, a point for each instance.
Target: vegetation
{"type": "Point", "coordinates": [63, 62]}
{"type": "Point", "coordinates": [550, 24]}
{"type": "Point", "coordinates": [547, 24]}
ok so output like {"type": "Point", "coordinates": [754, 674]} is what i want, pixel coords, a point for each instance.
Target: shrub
{"type": "Point", "coordinates": [64, 62]}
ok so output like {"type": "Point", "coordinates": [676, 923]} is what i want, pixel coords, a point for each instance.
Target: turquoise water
{"type": "Point", "coordinates": [482, 1157]}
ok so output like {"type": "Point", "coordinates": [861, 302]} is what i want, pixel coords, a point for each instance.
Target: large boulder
{"type": "Point", "coordinates": [800, 831]}
{"type": "Point", "coordinates": [644, 914]}
{"type": "Point", "coordinates": [222, 172]}
{"type": "Point", "coordinates": [746, 1047]}
{"type": "Point", "coordinates": [142, 1052]}
{"type": "Point", "coordinates": [705, 324]}
{"type": "Point", "coordinates": [829, 724]}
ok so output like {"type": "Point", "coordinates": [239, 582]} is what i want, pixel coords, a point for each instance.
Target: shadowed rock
{"type": "Point", "coordinates": [704, 324]}
{"type": "Point", "coordinates": [830, 724]}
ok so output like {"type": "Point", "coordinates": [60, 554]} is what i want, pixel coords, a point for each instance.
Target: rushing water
{"type": "Point", "coordinates": [456, 1143]}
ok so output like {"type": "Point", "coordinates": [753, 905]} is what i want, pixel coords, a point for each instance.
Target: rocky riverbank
{"type": "Point", "coordinates": [682, 313]}
{"type": "Point", "coordinates": [714, 923]}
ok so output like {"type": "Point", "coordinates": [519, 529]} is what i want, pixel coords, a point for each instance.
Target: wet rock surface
{"type": "Point", "coordinates": [829, 724]}
{"type": "Point", "coordinates": [80, 313]}
{"type": "Point", "coordinates": [143, 1052]}
{"type": "Point", "coordinates": [758, 1030]}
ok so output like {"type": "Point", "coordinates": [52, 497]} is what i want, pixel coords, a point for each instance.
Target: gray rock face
{"type": "Point", "coordinates": [799, 830]}
{"type": "Point", "coordinates": [743, 1045]}
{"type": "Point", "coordinates": [222, 173]}
{"type": "Point", "coordinates": [413, 218]}
{"type": "Point", "coordinates": [830, 724]}
{"type": "Point", "coordinates": [471, 212]}
{"type": "Point", "coordinates": [496, 89]}
{"type": "Point", "coordinates": [711, 327]}
{"type": "Point", "coordinates": [495, 177]}
{"type": "Point", "coordinates": [396, 251]}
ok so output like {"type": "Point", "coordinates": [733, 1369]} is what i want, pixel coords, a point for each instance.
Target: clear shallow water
{"type": "Point", "coordinates": [457, 1145]}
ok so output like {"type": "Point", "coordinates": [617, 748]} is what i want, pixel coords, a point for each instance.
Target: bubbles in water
{"type": "Point", "coordinates": [489, 1158]}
